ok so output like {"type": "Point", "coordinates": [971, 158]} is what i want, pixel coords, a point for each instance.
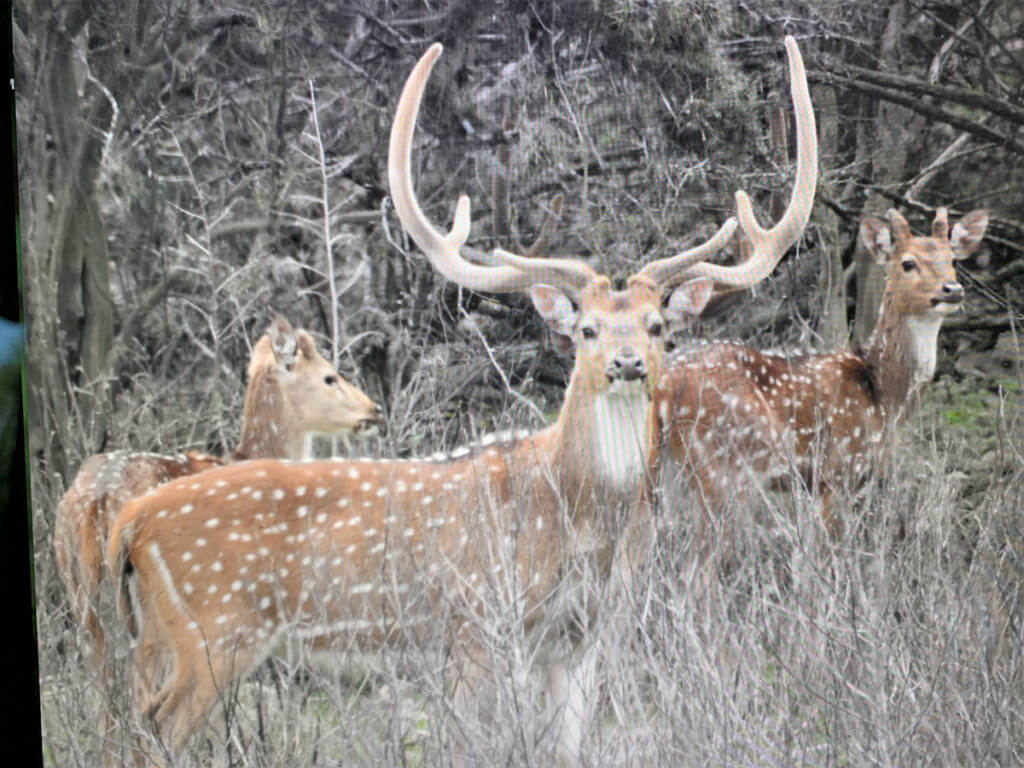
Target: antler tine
{"type": "Point", "coordinates": [671, 269]}
{"type": "Point", "coordinates": [940, 227]}
{"type": "Point", "coordinates": [768, 245]}
{"type": "Point", "coordinates": [771, 244]}
{"type": "Point", "coordinates": [568, 274]}
{"type": "Point", "coordinates": [443, 250]}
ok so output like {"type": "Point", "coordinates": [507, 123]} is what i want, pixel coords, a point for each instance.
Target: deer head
{"type": "Point", "coordinates": [295, 393]}
{"type": "Point", "coordinates": [616, 333]}
{"type": "Point", "coordinates": [921, 280]}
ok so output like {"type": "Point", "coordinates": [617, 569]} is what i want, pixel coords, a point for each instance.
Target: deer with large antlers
{"type": "Point", "coordinates": [827, 419]}
{"type": "Point", "coordinates": [219, 569]}
{"type": "Point", "coordinates": [292, 394]}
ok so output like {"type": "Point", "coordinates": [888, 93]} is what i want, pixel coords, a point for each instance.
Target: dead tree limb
{"type": "Point", "coordinates": [935, 114]}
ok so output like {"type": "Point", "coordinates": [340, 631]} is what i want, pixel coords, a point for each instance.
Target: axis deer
{"type": "Point", "coordinates": [727, 410]}
{"type": "Point", "coordinates": [293, 392]}
{"type": "Point", "coordinates": [223, 567]}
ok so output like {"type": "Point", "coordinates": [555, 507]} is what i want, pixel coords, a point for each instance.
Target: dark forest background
{"type": "Point", "coordinates": [187, 167]}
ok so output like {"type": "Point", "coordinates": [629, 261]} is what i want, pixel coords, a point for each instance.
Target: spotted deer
{"type": "Point", "coordinates": [728, 411]}
{"type": "Point", "coordinates": [222, 568]}
{"type": "Point", "coordinates": [293, 392]}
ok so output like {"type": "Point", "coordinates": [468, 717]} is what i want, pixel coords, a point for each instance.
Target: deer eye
{"type": "Point", "coordinates": [1006, 364]}
{"type": "Point", "coordinates": [655, 329]}
{"type": "Point", "coordinates": [330, 381]}
{"type": "Point", "coordinates": [589, 332]}
{"type": "Point", "coordinates": [909, 265]}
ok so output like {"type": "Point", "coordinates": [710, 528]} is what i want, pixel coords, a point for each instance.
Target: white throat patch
{"type": "Point", "coordinates": [620, 430]}
{"type": "Point", "coordinates": [924, 339]}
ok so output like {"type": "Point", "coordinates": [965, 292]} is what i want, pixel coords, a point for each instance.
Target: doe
{"type": "Point", "coordinates": [293, 392]}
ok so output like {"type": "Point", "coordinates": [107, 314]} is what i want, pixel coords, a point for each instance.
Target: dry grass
{"type": "Point", "coordinates": [899, 645]}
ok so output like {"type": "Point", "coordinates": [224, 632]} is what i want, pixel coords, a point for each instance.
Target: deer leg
{"type": "Point", "coordinates": [148, 663]}
{"type": "Point", "coordinates": [713, 523]}
{"type": "Point", "coordinates": [572, 690]}
{"type": "Point", "coordinates": [194, 690]}
{"type": "Point", "coordinates": [833, 524]}
{"type": "Point", "coordinates": [90, 572]}
{"type": "Point", "coordinates": [468, 665]}
{"type": "Point", "coordinates": [836, 472]}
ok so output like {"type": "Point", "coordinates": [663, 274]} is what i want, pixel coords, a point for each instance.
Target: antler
{"type": "Point", "coordinates": [515, 273]}
{"type": "Point", "coordinates": [769, 245]}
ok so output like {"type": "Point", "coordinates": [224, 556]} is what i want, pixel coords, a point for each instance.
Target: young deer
{"type": "Point", "coordinates": [727, 410]}
{"type": "Point", "coordinates": [220, 569]}
{"type": "Point", "coordinates": [293, 392]}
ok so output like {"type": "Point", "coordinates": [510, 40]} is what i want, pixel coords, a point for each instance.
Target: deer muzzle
{"type": "Point", "coordinates": [951, 293]}
{"type": "Point", "coordinates": [626, 366]}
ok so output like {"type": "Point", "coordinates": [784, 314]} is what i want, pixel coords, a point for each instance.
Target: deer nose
{"type": "Point", "coordinates": [627, 366]}
{"type": "Point", "coordinates": [953, 292]}
{"type": "Point", "coordinates": [372, 420]}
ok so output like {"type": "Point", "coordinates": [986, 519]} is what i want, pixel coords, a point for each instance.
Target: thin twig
{"type": "Point", "coordinates": [490, 354]}
{"type": "Point", "coordinates": [325, 205]}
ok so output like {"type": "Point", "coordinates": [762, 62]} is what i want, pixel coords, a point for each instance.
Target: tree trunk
{"type": "Point", "coordinates": [893, 124]}
{"type": "Point", "coordinates": [72, 311]}
{"type": "Point", "coordinates": [832, 329]}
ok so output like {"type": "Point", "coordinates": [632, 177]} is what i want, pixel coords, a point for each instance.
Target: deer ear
{"type": "Point", "coordinates": [688, 300]}
{"type": "Point", "coordinates": [556, 309]}
{"type": "Point", "coordinates": [876, 237]}
{"type": "Point", "coordinates": [306, 345]}
{"type": "Point", "coordinates": [283, 340]}
{"type": "Point", "coordinates": [967, 233]}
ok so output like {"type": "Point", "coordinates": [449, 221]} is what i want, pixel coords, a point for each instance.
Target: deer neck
{"type": "Point", "coordinates": [265, 434]}
{"type": "Point", "coordinates": [601, 443]}
{"type": "Point", "coordinates": [901, 354]}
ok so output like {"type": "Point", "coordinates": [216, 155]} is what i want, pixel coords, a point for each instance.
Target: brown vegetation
{"type": "Point", "coordinates": [185, 168]}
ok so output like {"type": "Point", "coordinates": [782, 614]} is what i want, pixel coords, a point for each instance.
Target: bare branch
{"type": "Point", "coordinates": [934, 113]}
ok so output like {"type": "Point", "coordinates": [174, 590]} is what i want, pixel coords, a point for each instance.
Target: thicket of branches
{"type": "Point", "coordinates": [185, 168]}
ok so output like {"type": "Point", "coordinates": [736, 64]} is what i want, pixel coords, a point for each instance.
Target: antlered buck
{"type": "Point", "coordinates": [293, 392]}
{"type": "Point", "coordinates": [736, 418]}
{"type": "Point", "coordinates": [220, 569]}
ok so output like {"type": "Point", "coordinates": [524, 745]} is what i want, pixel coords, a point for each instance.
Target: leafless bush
{"type": "Point", "coordinates": [167, 206]}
